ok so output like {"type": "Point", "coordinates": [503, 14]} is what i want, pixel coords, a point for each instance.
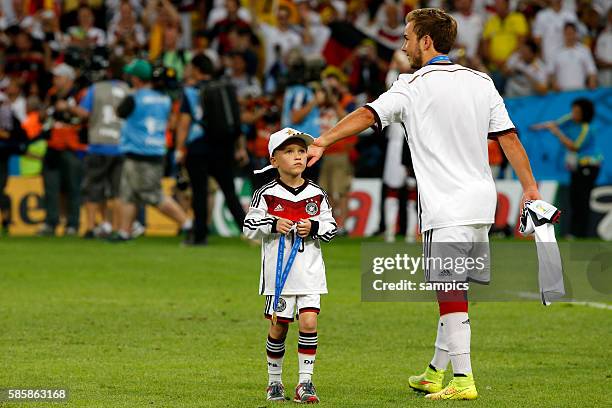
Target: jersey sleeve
{"type": "Point", "coordinates": [390, 107]}
{"type": "Point", "coordinates": [324, 225]}
{"type": "Point", "coordinates": [499, 120]}
{"type": "Point", "coordinates": [258, 223]}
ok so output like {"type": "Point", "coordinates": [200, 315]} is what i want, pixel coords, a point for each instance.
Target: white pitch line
{"type": "Point", "coordinates": [595, 305]}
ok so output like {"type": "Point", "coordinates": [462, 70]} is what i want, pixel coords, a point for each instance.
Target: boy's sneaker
{"type": "Point", "coordinates": [305, 393]}
{"type": "Point", "coordinates": [460, 388]}
{"type": "Point", "coordinates": [430, 381]}
{"type": "Point", "coordinates": [275, 391]}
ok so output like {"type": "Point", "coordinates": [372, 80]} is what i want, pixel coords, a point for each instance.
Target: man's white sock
{"type": "Point", "coordinates": [440, 358]}
{"type": "Point", "coordinates": [458, 333]}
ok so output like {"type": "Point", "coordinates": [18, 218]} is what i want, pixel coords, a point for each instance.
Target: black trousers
{"type": "Point", "coordinates": [581, 185]}
{"type": "Point", "coordinates": [200, 167]}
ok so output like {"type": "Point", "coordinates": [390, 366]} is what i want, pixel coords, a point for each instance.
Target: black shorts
{"type": "Point", "coordinates": [101, 177]}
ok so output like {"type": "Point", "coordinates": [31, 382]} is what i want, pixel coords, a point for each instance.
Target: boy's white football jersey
{"type": "Point", "coordinates": [448, 112]}
{"type": "Point", "coordinates": [278, 200]}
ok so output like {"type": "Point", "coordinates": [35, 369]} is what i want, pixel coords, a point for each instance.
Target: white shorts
{"type": "Point", "coordinates": [457, 253]}
{"type": "Point", "coordinates": [292, 305]}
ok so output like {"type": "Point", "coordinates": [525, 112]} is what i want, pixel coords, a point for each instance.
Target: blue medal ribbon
{"type": "Point", "coordinates": [282, 274]}
{"type": "Point", "coordinates": [439, 58]}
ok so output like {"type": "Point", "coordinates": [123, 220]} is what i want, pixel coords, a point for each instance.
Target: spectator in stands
{"type": "Point", "coordinates": [577, 134]}
{"type": "Point", "coordinates": [503, 33]}
{"type": "Point", "coordinates": [314, 33]}
{"type": "Point", "coordinates": [25, 60]}
{"type": "Point", "coordinates": [102, 165]}
{"type": "Point", "coordinates": [85, 34]}
{"type": "Point", "coordinates": [143, 141]}
{"type": "Point", "coordinates": [469, 30]}
{"type": "Point", "coordinates": [12, 141]}
{"type": "Point", "coordinates": [526, 72]}
{"type": "Point", "coordinates": [172, 56]}
{"type": "Point", "coordinates": [62, 167]}
{"type": "Point", "coordinates": [548, 28]}
{"type": "Point", "coordinates": [603, 52]}
{"type": "Point", "coordinates": [223, 9]}
{"type": "Point", "coordinates": [367, 71]}
{"type": "Point", "coordinates": [390, 31]}
{"type": "Point", "coordinates": [277, 41]}
{"type": "Point", "coordinates": [124, 30]}
{"type": "Point", "coordinates": [157, 17]}
{"type": "Point", "coordinates": [573, 66]}
{"type": "Point", "coordinates": [16, 99]}
{"type": "Point", "coordinates": [247, 86]}
{"type": "Point", "coordinates": [205, 154]}
{"type": "Point", "coordinates": [220, 31]}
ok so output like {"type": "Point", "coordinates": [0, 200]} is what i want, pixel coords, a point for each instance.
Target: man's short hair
{"type": "Point", "coordinates": [203, 64]}
{"type": "Point", "coordinates": [440, 26]}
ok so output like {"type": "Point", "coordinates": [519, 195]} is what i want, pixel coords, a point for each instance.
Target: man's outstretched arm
{"type": "Point", "coordinates": [514, 151]}
{"type": "Point", "coordinates": [352, 124]}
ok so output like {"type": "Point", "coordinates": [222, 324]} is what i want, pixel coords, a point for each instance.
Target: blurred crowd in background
{"type": "Point", "coordinates": [298, 63]}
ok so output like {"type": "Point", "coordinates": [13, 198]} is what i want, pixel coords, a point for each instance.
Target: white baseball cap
{"type": "Point", "coordinates": [280, 137]}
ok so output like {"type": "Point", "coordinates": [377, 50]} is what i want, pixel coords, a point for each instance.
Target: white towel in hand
{"type": "Point", "coordinates": [537, 218]}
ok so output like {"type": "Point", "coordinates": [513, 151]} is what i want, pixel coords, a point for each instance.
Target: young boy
{"type": "Point", "coordinates": [288, 206]}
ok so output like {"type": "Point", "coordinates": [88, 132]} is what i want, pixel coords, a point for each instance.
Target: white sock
{"type": "Point", "coordinates": [275, 352]}
{"type": "Point", "coordinates": [458, 333]}
{"type": "Point", "coordinates": [411, 221]}
{"type": "Point", "coordinates": [188, 224]}
{"type": "Point", "coordinates": [391, 211]}
{"type": "Point", "coordinates": [307, 348]}
{"type": "Point", "coordinates": [440, 358]}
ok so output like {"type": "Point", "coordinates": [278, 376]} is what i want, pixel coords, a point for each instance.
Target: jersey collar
{"type": "Point", "coordinates": [293, 190]}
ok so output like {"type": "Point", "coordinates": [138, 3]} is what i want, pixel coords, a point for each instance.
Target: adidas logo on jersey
{"type": "Point", "coordinates": [279, 208]}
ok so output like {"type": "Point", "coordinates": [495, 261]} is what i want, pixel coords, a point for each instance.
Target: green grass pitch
{"type": "Point", "coordinates": [151, 324]}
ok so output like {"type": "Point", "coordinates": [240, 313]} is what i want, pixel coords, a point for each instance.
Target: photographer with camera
{"type": "Point", "coordinates": [143, 141]}
{"type": "Point", "coordinates": [102, 165]}
{"type": "Point", "coordinates": [62, 166]}
{"type": "Point", "coordinates": [209, 127]}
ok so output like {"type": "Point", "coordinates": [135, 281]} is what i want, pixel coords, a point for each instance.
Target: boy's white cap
{"type": "Point", "coordinates": [278, 138]}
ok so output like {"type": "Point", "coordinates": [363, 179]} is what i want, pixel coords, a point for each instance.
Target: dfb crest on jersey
{"type": "Point", "coordinates": [282, 305]}
{"type": "Point", "coordinates": [312, 208]}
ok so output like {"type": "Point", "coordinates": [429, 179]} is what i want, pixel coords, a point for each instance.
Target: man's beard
{"type": "Point", "coordinates": [416, 61]}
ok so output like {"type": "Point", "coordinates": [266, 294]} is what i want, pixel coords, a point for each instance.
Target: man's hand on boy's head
{"type": "Point", "coordinates": [303, 228]}
{"type": "Point", "coordinates": [283, 225]}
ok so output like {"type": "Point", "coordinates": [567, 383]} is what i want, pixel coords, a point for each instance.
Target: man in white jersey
{"type": "Point", "coordinates": [448, 111]}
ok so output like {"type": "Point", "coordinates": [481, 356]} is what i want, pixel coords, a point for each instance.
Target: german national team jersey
{"type": "Point", "coordinates": [448, 112]}
{"type": "Point", "coordinates": [278, 200]}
